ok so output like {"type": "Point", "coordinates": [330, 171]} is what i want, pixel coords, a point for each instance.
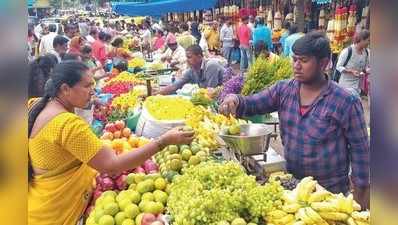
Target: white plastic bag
{"type": "Point", "coordinates": [149, 127]}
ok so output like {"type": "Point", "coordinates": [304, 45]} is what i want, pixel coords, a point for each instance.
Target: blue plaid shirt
{"type": "Point", "coordinates": [324, 142]}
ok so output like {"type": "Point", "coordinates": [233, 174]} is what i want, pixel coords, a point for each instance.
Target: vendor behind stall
{"type": "Point", "coordinates": [204, 72]}
{"type": "Point", "coordinates": [175, 54]}
{"type": "Point", "coordinates": [322, 125]}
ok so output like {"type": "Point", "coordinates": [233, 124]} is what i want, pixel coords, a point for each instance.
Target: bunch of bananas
{"type": "Point", "coordinates": [207, 125]}
{"type": "Point", "coordinates": [201, 97]}
{"type": "Point", "coordinates": [310, 203]}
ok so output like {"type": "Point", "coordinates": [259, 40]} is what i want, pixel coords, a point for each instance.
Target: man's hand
{"type": "Point", "coordinates": [229, 105]}
{"type": "Point", "coordinates": [362, 196]}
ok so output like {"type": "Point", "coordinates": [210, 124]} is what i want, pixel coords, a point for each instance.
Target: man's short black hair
{"type": "Point", "coordinates": [313, 44]}
{"type": "Point", "coordinates": [59, 40]}
{"type": "Point", "coordinates": [195, 49]}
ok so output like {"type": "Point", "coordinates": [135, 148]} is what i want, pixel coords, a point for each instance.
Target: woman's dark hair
{"type": "Point", "coordinates": [117, 42]}
{"type": "Point", "coordinates": [68, 72]}
{"type": "Point", "coordinates": [39, 72]}
{"type": "Point", "coordinates": [313, 44]}
{"type": "Point", "coordinates": [361, 35]}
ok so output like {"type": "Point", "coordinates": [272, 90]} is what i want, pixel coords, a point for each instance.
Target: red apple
{"type": "Point", "coordinates": [119, 125]}
{"type": "Point", "coordinates": [147, 219]}
{"type": "Point", "coordinates": [110, 127]}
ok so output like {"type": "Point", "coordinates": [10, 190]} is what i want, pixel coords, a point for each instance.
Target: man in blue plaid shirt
{"type": "Point", "coordinates": [322, 125]}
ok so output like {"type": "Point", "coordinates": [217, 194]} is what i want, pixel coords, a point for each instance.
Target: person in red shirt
{"type": "Point", "coordinates": [244, 36]}
{"type": "Point", "coordinates": [98, 48]}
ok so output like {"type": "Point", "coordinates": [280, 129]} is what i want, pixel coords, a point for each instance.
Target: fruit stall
{"type": "Point", "coordinates": [208, 181]}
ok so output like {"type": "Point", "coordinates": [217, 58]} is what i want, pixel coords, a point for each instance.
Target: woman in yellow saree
{"type": "Point", "coordinates": [64, 154]}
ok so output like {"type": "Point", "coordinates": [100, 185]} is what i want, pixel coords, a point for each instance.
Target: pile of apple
{"type": "Point", "coordinates": [142, 204]}
{"type": "Point", "coordinates": [120, 137]}
{"type": "Point", "coordinates": [174, 159]}
{"type": "Point", "coordinates": [116, 130]}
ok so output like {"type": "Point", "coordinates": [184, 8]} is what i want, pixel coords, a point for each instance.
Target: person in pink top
{"type": "Point", "coordinates": [98, 48]}
{"type": "Point", "coordinates": [244, 36]}
{"type": "Point", "coordinates": [159, 40]}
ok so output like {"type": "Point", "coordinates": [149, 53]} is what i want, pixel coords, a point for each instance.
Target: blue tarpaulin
{"type": "Point", "coordinates": [159, 8]}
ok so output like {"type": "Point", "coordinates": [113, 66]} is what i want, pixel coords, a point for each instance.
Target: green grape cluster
{"type": "Point", "coordinates": [215, 191]}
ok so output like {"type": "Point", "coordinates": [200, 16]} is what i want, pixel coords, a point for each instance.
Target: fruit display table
{"type": "Point", "coordinates": [205, 183]}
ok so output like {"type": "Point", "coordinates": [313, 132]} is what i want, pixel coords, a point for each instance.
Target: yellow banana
{"type": "Point", "coordinates": [289, 196]}
{"type": "Point", "coordinates": [319, 196]}
{"type": "Point", "coordinates": [356, 206]}
{"type": "Point", "coordinates": [285, 220]}
{"type": "Point", "coordinates": [348, 204]}
{"type": "Point", "coordinates": [351, 221]}
{"type": "Point", "coordinates": [306, 189]}
{"type": "Point", "coordinates": [301, 214]}
{"type": "Point", "coordinates": [361, 216]}
{"type": "Point", "coordinates": [277, 214]}
{"type": "Point", "coordinates": [324, 207]}
{"type": "Point", "coordinates": [334, 216]}
{"type": "Point", "coordinates": [359, 222]}
{"type": "Point", "coordinates": [291, 208]}
{"type": "Point", "coordinates": [301, 188]}
{"type": "Point", "coordinates": [314, 216]}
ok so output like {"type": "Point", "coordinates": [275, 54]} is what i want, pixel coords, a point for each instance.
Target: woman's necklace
{"type": "Point", "coordinates": [59, 101]}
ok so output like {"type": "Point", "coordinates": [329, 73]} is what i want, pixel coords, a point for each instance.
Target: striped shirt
{"type": "Point", "coordinates": [324, 142]}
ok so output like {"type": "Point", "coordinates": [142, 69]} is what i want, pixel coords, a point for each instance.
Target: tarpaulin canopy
{"type": "Point", "coordinates": [159, 8]}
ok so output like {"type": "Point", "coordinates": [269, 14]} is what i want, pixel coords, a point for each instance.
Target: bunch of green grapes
{"type": "Point", "coordinates": [216, 191]}
{"type": "Point", "coordinates": [265, 198]}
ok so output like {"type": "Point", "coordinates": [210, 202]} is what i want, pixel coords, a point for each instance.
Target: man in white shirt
{"type": "Point", "coordinates": [46, 43]}
{"type": "Point", "coordinates": [227, 39]}
{"type": "Point", "coordinates": [175, 54]}
{"type": "Point", "coordinates": [146, 36]}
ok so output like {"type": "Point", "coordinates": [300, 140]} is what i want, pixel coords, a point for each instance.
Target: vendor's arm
{"type": "Point", "coordinates": [177, 85]}
{"type": "Point", "coordinates": [264, 102]}
{"type": "Point", "coordinates": [357, 137]}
